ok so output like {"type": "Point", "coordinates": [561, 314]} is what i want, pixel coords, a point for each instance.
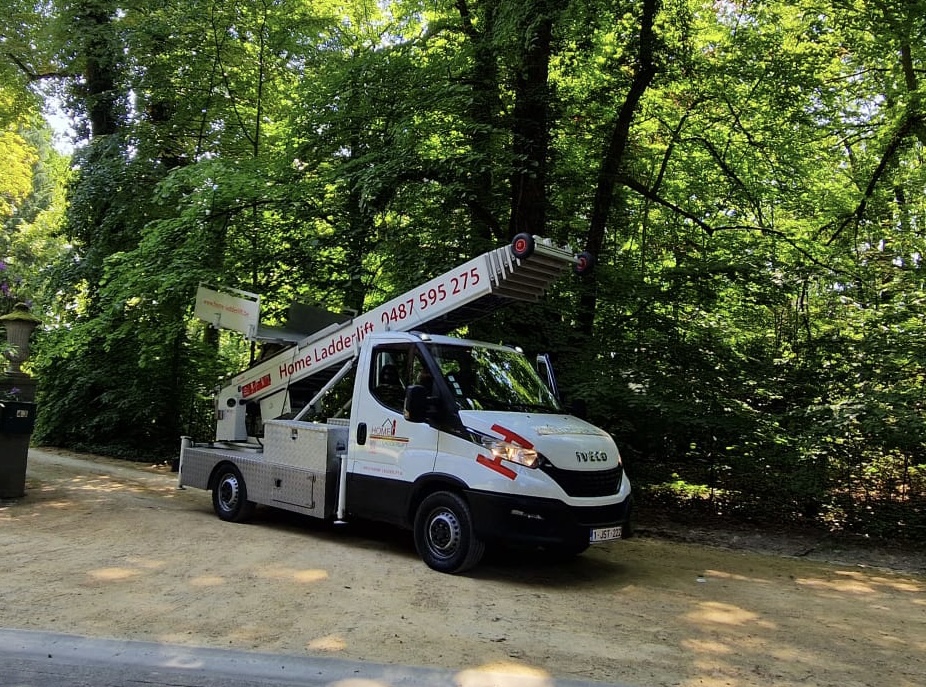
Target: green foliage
{"type": "Point", "coordinates": [753, 331]}
{"type": "Point", "coordinates": [28, 241]}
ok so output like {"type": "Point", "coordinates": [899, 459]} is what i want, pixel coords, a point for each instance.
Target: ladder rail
{"type": "Point", "coordinates": [496, 276]}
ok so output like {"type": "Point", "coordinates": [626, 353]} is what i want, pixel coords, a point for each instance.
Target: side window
{"type": "Point", "coordinates": [388, 376]}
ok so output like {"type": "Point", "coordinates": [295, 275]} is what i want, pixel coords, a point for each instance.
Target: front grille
{"type": "Point", "coordinates": [586, 483]}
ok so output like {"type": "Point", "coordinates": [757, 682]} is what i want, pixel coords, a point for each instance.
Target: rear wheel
{"type": "Point", "coordinates": [444, 534]}
{"type": "Point", "coordinates": [230, 495]}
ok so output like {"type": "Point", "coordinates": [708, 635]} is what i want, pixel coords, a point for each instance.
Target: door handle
{"type": "Point", "coordinates": [362, 433]}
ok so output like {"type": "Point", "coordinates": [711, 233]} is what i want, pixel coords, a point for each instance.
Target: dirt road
{"type": "Point", "coordinates": [112, 549]}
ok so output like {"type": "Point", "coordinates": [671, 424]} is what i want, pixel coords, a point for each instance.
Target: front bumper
{"type": "Point", "coordinates": [542, 522]}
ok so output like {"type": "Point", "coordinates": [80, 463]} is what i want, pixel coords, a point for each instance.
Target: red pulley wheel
{"type": "Point", "coordinates": [522, 245]}
{"type": "Point", "coordinates": [584, 262]}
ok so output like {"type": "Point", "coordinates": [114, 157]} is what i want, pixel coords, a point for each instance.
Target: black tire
{"type": "Point", "coordinates": [585, 261]}
{"type": "Point", "coordinates": [522, 246]}
{"type": "Point", "coordinates": [444, 534]}
{"type": "Point", "coordinates": [230, 495]}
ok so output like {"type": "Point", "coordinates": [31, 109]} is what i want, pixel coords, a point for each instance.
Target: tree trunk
{"type": "Point", "coordinates": [482, 113]}
{"type": "Point", "coordinates": [614, 158]}
{"type": "Point", "coordinates": [530, 130]}
{"type": "Point", "coordinates": [100, 69]}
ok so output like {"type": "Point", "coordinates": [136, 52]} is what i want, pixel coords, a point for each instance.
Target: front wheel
{"type": "Point", "coordinates": [444, 534]}
{"type": "Point", "coordinates": [230, 495]}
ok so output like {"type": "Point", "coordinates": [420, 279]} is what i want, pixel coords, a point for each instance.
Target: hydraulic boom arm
{"type": "Point", "coordinates": [520, 271]}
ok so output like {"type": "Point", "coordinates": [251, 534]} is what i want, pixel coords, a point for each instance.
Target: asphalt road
{"type": "Point", "coordinates": [45, 659]}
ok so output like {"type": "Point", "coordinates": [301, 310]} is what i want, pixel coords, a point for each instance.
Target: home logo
{"type": "Point", "coordinates": [386, 431]}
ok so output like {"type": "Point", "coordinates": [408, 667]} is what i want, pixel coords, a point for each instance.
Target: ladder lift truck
{"type": "Point", "coordinates": [383, 417]}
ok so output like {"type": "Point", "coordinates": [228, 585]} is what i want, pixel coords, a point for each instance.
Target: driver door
{"type": "Point", "coordinates": [387, 453]}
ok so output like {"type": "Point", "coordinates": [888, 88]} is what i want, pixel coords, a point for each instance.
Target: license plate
{"type": "Point", "coordinates": [605, 534]}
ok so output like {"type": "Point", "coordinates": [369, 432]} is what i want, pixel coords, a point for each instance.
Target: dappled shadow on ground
{"type": "Point", "coordinates": [501, 563]}
{"type": "Point", "coordinates": [124, 553]}
{"type": "Point", "coordinates": [800, 542]}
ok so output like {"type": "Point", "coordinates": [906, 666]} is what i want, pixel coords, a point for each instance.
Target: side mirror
{"type": "Point", "coordinates": [416, 403]}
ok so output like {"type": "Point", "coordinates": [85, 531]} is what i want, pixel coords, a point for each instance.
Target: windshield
{"type": "Point", "coordinates": [492, 379]}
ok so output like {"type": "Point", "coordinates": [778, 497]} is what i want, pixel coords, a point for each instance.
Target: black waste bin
{"type": "Point", "coordinates": [17, 420]}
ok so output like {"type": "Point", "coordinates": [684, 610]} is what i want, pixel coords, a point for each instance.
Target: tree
{"type": "Point", "coordinates": [749, 175]}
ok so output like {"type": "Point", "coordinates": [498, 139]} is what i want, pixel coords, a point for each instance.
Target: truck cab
{"type": "Point", "coordinates": [477, 426]}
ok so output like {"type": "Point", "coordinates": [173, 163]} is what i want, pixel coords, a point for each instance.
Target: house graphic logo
{"type": "Point", "coordinates": [387, 431]}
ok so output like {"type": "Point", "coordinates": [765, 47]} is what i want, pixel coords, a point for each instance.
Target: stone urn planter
{"type": "Point", "coordinates": [17, 409]}
{"type": "Point", "coordinates": [19, 325]}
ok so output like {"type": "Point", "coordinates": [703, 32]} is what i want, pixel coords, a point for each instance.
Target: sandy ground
{"type": "Point", "coordinates": [111, 549]}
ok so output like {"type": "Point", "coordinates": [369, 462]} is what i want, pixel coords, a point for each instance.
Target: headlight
{"type": "Point", "coordinates": [515, 454]}
{"type": "Point", "coordinates": [505, 450]}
